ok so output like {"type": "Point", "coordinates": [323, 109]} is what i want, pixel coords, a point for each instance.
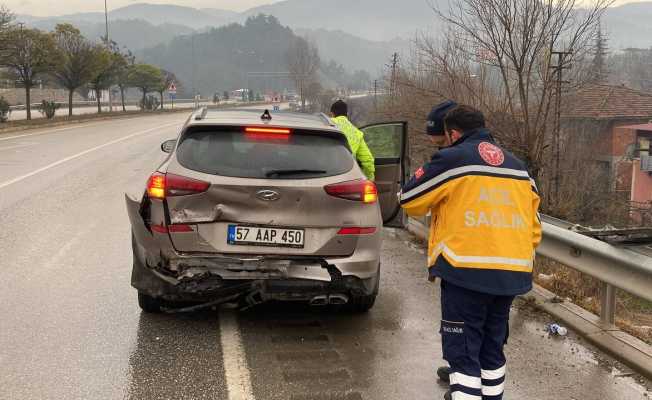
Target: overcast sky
{"type": "Point", "coordinates": [60, 7]}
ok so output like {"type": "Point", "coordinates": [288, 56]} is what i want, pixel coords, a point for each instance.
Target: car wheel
{"type": "Point", "coordinates": [149, 304]}
{"type": "Point", "coordinates": [363, 303]}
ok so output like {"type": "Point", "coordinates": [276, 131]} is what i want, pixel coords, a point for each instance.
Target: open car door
{"type": "Point", "coordinates": [388, 143]}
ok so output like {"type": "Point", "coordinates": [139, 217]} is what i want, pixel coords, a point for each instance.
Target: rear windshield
{"type": "Point", "coordinates": [235, 154]}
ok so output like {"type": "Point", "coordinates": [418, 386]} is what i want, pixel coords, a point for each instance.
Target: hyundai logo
{"type": "Point", "coordinates": [268, 195]}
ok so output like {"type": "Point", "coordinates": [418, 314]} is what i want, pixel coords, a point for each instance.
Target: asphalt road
{"type": "Point", "coordinates": [70, 327]}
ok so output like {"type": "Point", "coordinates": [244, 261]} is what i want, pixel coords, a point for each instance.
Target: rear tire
{"type": "Point", "coordinates": [149, 304]}
{"type": "Point", "coordinates": [363, 303]}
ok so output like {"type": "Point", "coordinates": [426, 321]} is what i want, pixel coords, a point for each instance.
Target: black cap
{"type": "Point", "coordinates": [435, 124]}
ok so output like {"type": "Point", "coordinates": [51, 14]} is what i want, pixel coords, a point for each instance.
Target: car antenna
{"type": "Point", "coordinates": [266, 116]}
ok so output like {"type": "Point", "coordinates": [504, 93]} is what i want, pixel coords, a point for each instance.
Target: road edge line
{"type": "Point", "coordinates": [238, 379]}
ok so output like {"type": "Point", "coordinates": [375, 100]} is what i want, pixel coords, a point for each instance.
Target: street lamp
{"type": "Point", "coordinates": [108, 46]}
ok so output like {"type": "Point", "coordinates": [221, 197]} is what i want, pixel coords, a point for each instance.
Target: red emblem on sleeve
{"type": "Point", "coordinates": [491, 154]}
{"type": "Point", "coordinates": [420, 172]}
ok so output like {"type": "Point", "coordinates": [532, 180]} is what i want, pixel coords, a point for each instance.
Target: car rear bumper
{"type": "Point", "coordinates": [202, 278]}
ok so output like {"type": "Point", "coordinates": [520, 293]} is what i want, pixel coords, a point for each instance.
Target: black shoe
{"type": "Point", "coordinates": [448, 396]}
{"type": "Point", "coordinates": [444, 374]}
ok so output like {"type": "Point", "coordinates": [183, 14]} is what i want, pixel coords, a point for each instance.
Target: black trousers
{"type": "Point", "coordinates": [474, 330]}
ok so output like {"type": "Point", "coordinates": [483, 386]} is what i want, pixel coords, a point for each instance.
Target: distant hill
{"type": "Point", "coordinates": [134, 34]}
{"type": "Point", "coordinates": [371, 19]}
{"type": "Point", "coordinates": [353, 52]}
{"type": "Point", "coordinates": [223, 56]}
{"type": "Point", "coordinates": [629, 25]}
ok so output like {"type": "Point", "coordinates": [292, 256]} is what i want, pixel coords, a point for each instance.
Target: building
{"type": "Point", "coordinates": [618, 121]}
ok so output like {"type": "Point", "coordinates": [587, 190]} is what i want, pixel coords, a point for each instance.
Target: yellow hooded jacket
{"type": "Point", "coordinates": [358, 146]}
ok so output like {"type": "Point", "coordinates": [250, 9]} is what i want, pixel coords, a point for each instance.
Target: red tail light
{"type": "Point", "coordinates": [172, 228]}
{"type": "Point", "coordinates": [161, 185]}
{"type": "Point", "coordinates": [359, 190]}
{"type": "Point", "coordinates": [357, 231]}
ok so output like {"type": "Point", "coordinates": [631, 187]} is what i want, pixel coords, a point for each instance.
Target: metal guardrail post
{"type": "Point", "coordinates": [608, 305]}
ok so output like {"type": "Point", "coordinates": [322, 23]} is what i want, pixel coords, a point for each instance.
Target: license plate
{"type": "Point", "coordinates": [262, 236]}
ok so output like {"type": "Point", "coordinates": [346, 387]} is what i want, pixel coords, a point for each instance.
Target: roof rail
{"type": "Point", "coordinates": [201, 114]}
{"type": "Point", "coordinates": [327, 120]}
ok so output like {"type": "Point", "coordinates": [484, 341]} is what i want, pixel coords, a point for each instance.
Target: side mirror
{"type": "Point", "coordinates": [169, 145]}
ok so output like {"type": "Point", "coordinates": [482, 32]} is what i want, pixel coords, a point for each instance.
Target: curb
{"type": "Point", "coordinates": [622, 346]}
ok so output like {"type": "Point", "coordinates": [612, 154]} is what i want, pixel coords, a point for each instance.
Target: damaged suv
{"type": "Point", "coordinates": [248, 209]}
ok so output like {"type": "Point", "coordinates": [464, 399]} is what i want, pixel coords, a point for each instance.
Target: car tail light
{"type": "Point", "coordinates": [359, 190]}
{"type": "Point", "coordinates": [172, 228]}
{"type": "Point", "coordinates": [357, 231]}
{"type": "Point", "coordinates": [161, 185]}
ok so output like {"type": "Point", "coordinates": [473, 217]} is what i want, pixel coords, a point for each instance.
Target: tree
{"type": "Point", "coordinates": [600, 53]}
{"type": "Point", "coordinates": [167, 79]}
{"type": "Point", "coordinates": [109, 64]}
{"type": "Point", "coordinates": [6, 18]}
{"type": "Point", "coordinates": [123, 65]}
{"type": "Point", "coordinates": [225, 95]}
{"type": "Point", "coordinates": [303, 62]}
{"type": "Point", "coordinates": [145, 77]}
{"type": "Point", "coordinates": [28, 53]}
{"type": "Point", "coordinates": [79, 62]}
{"type": "Point", "coordinates": [507, 48]}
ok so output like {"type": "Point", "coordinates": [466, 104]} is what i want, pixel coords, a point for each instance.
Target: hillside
{"type": "Point", "coordinates": [629, 25]}
{"type": "Point", "coordinates": [353, 52]}
{"type": "Point", "coordinates": [223, 56]}
{"type": "Point", "coordinates": [370, 19]}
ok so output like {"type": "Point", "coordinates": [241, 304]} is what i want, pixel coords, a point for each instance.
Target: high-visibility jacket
{"type": "Point", "coordinates": [485, 223]}
{"type": "Point", "coordinates": [358, 146]}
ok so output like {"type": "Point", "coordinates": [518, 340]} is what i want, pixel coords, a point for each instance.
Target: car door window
{"type": "Point", "coordinates": [388, 143]}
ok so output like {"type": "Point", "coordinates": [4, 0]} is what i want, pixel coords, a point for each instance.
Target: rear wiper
{"type": "Point", "coordinates": [281, 172]}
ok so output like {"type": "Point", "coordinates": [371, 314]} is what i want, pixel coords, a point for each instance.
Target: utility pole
{"type": "Point", "coordinates": [376, 94]}
{"type": "Point", "coordinates": [558, 71]}
{"type": "Point", "coordinates": [393, 83]}
{"type": "Point", "coordinates": [108, 46]}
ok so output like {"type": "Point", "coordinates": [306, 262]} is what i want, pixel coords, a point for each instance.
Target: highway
{"type": "Point", "coordinates": [71, 327]}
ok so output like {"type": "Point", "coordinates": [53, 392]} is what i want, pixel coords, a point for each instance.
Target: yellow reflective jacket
{"type": "Point", "coordinates": [358, 146]}
{"type": "Point", "coordinates": [485, 224]}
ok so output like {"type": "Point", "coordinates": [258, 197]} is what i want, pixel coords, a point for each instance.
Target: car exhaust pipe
{"type": "Point", "coordinates": [338, 299]}
{"type": "Point", "coordinates": [320, 300]}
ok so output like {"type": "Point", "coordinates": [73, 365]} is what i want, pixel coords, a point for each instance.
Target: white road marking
{"type": "Point", "coordinates": [17, 146]}
{"type": "Point", "coordinates": [238, 380]}
{"type": "Point", "coordinates": [83, 153]}
{"type": "Point", "coordinates": [51, 131]}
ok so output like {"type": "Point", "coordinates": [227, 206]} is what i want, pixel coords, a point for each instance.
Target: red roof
{"type": "Point", "coordinates": [639, 127]}
{"type": "Point", "coordinates": [608, 102]}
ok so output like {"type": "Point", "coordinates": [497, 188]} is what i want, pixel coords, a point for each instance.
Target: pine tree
{"type": "Point", "coordinates": [600, 51]}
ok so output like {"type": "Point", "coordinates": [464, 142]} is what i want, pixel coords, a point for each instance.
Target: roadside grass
{"type": "Point", "coordinates": [633, 314]}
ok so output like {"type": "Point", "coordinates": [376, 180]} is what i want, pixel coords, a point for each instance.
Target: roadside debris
{"type": "Point", "coordinates": [557, 330]}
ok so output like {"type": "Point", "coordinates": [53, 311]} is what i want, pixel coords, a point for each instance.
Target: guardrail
{"type": "Point", "coordinates": [628, 268]}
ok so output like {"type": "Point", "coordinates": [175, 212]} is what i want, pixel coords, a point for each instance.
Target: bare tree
{"type": "Point", "coordinates": [303, 63]}
{"type": "Point", "coordinates": [28, 53]}
{"type": "Point", "coordinates": [79, 60]}
{"type": "Point", "coordinates": [517, 38]}
{"type": "Point", "coordinates": [6, 18]}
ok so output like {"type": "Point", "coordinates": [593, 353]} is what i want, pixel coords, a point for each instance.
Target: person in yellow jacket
{"type": "Point", "coordinates": [355, 137]}
{"type": "Point", "coordinates": [485, 229]}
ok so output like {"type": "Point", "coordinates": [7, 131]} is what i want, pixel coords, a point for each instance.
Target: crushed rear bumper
{"type": "Point", "coordinates": [300, 279]}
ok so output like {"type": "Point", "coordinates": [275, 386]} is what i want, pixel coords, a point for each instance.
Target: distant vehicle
{"type": "Point", "coordinates": [248, 210]}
